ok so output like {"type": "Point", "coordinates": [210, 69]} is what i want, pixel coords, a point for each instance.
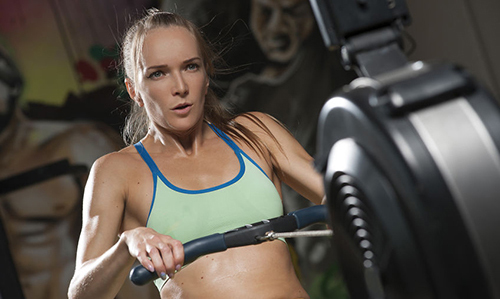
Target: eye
{"type": "Point", "coordinates": [156, 74]}
{"type": "Point", "coordinates": [192, 67]}
{"type": "Point", "coordinates": [266, 13]}
{"type": "Point", "coordinates": [297, 11]}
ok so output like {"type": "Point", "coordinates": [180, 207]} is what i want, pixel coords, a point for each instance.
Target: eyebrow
{"type": "Point", "coordinates": [192, 59]}
{"type": "Point", "coordinates": [155, 67]}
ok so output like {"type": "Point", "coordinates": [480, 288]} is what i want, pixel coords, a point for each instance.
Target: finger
{"type": "Point", "coordinates": [178, 253]}
{"type": "Point", "coordinates": [157, 261]}
{"type": "Point", "coordinates": [146, 262]}
{"type": "Point", "coordinates": [168, 258]}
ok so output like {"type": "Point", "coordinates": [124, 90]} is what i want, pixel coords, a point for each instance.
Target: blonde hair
{"type": "Point", "coordinates": [137, 122]}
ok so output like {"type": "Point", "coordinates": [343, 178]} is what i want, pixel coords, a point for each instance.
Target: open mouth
{"type": "Point", "coordinates": [281, 43]}
{"type": "Point", "coordinates": [182, 106]}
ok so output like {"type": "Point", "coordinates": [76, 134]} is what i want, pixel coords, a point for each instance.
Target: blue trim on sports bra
{"type": "Point", "coordinates": [146, 157]}
{"type": "Point", "coordinates": [254, 163]}
{"type": "Point", "coordinates": [154, 168]}
{"type": "Point", "coordinates": [157, 173]}
{"type": "Point", "coordinates": [154, 171]}
{"type": "Point", "coordinates": [223, 185]}
{"type": "Point", "coordinates": [235, 147]}
{"type": "Point", "coordinates": [224, 137]}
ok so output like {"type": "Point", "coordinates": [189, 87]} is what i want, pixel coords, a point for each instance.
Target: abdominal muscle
{"type": "Point", "coordinates": [255, 271]}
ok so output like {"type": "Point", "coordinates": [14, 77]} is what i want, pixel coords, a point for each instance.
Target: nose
{"type": "Point", "coordinates": [179, 87]}
{"type": "Point", "coordinates": [276, 21]}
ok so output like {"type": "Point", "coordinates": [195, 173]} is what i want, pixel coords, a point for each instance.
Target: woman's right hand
{"type": "Point", "coordinates": [156, 252]}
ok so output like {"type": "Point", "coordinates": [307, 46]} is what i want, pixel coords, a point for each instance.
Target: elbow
{"type": "Point", "coordinates": [75, 289]}
{"type": "Point", "coordinates": [72, 291]}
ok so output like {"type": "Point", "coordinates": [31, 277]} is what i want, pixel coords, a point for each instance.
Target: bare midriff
{"type": "Point", "coordinates": [256, 271]}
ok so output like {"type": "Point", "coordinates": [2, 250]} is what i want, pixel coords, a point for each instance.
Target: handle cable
{"type": "Point", "coordinates": [271, 235]}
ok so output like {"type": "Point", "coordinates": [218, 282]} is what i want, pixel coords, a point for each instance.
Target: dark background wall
{"type": "Point", "coordinates": [66, 52]}
{"type": "Point", "coordinates": [460, 31]}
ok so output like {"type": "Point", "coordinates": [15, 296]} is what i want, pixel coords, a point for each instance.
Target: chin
{"type": "Point", "coordinates": [183, 125]}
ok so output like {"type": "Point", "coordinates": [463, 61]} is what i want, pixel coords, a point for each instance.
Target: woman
{"type": "Point", "coordinates": [196, 171]}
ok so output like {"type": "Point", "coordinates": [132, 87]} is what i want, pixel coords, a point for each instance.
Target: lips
{"type": "Point", "coordinates": [182, 106]}
{"type": "Point", "coordinates": [182, 109]}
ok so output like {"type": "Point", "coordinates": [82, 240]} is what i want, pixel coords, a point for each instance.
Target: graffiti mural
{"type": "Point", "coordinates": [58, 94]}
{"type": "Point", "coordinates": [67, 112]}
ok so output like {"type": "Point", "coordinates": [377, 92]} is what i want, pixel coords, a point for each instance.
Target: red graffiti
{"type": "Point", "coordinates": [86, 71]}
{"type": "Point", "coordinates": [109, 65]}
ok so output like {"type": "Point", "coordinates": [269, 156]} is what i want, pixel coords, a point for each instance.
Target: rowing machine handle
{"type": "Point", "coordinates": [239, 237]}
{"type": "Point", "coordinates": [192, 250]}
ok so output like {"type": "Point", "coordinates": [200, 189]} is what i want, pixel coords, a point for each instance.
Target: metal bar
{"type": "Point", "coordinates": [312, 233]}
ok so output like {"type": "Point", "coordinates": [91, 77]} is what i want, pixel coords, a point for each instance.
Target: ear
{"type": "Point", "coordinates": [134, 95]}
{"type": "Point", "coordinates": [207, 85]}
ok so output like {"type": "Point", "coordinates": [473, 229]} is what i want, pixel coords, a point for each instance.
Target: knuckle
{"type": "Point", "coordinates": [167, 238]}
{"type": "Point", "coordinates": [176, 243]}
{"type": "Point", "coordinates": [154, 238]}
{"type": "Point", "coordinates": [151, 250]}
{"type": "Point", "coordinates": [165, 248]}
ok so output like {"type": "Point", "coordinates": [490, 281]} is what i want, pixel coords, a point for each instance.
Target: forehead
{"type": "Point", "coordinates": [165, 44]}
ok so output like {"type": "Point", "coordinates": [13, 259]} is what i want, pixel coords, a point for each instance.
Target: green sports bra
{"type": "Point", "coordinates": [189, 214]}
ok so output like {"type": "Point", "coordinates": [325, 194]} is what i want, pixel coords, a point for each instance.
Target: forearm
{"type": "Point", "coordinates": [104, 276]}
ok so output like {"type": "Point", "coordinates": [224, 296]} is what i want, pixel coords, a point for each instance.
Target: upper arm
{"type": "Point", "coordinates": [296, 165]}
{"type": "Point", "coordinates": [103, 205]}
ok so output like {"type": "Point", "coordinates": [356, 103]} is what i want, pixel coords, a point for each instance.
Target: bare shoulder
{"type": "Point", "coordinates": [120, 162]}
{"type": "Point", "coordinates": [248, 119]}
{"type": "Point", "coordinates": [263, 124]}
{"type": "Point", "coordinates": [109, 181]}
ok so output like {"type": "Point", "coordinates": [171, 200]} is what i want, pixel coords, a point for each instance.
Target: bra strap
{"type": "Point", "coordinates": [146, 157]}
{"type": "Point", "coordinates": [226, 138]}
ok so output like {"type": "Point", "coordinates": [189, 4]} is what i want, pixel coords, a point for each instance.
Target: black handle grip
{"type": "Point", "coordinates": [239, 237]}
{"type": "Point", "coordinates": [192, 250]}
{"type": "Point", "coordinates": [141, 276]}
{"type": "Point", "coordinates": [308, 216]}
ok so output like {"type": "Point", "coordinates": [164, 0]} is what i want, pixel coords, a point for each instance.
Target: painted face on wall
{"type": "Point", "coordinates": [280, 26]}
{"type": "Point", "coordinates": [10, 86]}
{"type": "Point", "coordinates": [4, 95]}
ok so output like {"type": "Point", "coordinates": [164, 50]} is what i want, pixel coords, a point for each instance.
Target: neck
{"type": "Point", "coordinates": [184, 143]}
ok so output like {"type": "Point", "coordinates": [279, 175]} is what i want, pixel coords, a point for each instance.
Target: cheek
{"type": "Point", "coordinates": [153, 90]}
{"type": "Point", "coordinates": [306, 27]}
{"type": "Point", "coordinates": [205, 84]}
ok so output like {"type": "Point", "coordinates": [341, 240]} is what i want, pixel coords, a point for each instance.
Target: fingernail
{"type": "Point", "coordinates": [151, 268]}
{"type": "Point", "coordinates": [163, 275]}
{"type": "Point", "coordinates": [178, 267]}
{"type": "Point", "coordinates": [170, 275]}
